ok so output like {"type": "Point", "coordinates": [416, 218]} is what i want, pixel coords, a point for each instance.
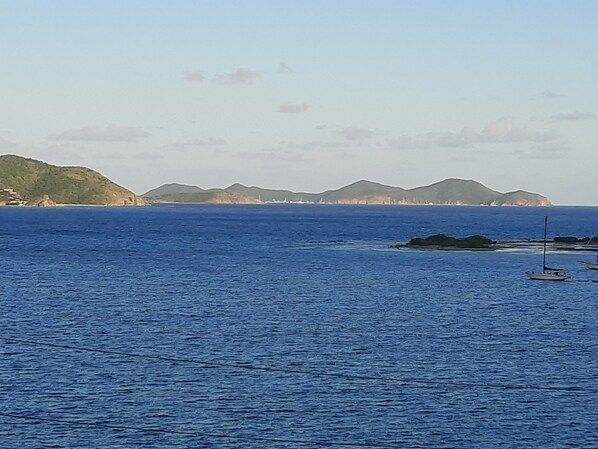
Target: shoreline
{"type": "Point", "coordinates": [275, 203]}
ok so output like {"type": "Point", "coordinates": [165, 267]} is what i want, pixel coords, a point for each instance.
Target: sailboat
{"type": "Point", "coordinates": [547, 274]}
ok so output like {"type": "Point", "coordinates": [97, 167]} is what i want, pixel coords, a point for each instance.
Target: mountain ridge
{"type": "Point", "coordinates": [448, 191]}
{"type": "Point", "coordinates": [32, 182]}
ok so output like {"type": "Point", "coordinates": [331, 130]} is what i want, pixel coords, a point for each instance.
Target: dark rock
{"type": "Point", "coordinates": [445, 241]}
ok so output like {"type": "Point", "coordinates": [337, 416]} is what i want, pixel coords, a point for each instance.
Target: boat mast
{"type": "Point", "coordinates": [544, 255]}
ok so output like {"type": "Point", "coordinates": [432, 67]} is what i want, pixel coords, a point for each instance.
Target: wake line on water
{"type": "Point", "coordinates": [411, 382]}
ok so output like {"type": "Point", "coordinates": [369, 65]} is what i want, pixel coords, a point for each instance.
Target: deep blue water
{"type": "Point", "coordinates": [433, 346]}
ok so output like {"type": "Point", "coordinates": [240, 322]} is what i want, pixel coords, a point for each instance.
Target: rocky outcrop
{"type": "Point", "coordinates": [127, 200]}
{"type": "Point", "coordinates": [45, 201]}
{"type": "Point", "coordinates": [441, 241]}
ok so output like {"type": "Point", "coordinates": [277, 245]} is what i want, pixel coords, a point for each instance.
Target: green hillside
{"type": "Point", "coordinates": [270, 194]}
{"type": "Point", "coordinates": [172, 189]}
{"type": "Point", "coordinates": [521, 198]}
{"type": "Point", "coordinates": [32, 180]}
{"type": "Point", "coordinates": [453, 191]}
{"type": "Point", "coordinates": [363, 190]}
{"type": "Point", "coordinates": [208, 196]}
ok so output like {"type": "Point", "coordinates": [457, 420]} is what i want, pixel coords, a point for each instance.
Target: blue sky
{"type": "Point", "coordinates": [306, 95]}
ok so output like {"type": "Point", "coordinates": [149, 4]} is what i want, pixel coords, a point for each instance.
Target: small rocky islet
{"type": "Point", "coordinates": [483, 243]}
{"type": "Point", "coordinates": [442, 241]}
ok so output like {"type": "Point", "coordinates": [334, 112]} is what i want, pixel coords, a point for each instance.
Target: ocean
{"type": "Point", "coordinates": [293, 326]}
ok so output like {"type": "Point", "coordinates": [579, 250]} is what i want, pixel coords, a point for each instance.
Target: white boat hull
{"type": "Point", "coordinates": [548, 276]}
{"type": "Point", "coordinates": [592, 266]}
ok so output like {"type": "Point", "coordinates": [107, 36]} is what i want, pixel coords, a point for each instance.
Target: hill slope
{"type": "Point", "coordinates": [454, 191]}
{"type": "Point", "coordinates": [182, 193]}
{"type": "Point", "coordinates": [33, 181]}
{"type": "Point", "coordinates": [364, 192]}
{"type": "Point", "coordinates": [215, 196]}
{"type": "Point", "coordinates": [269, 195]}
{"type": "Point", "coordinates": [172, 189]}
{"type": "Point", "coordinates": [449, 191]}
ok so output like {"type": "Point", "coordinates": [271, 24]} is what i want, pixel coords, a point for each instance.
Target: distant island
{"type": "Point", "coordinates": [25, 181]}
{"type": "Point", "coordinates": [28, 182]}
{"type": "Point", "coordinates": [449, 191]}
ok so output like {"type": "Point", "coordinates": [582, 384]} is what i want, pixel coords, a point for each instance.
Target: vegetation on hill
{"type": "Point", "coordinates": [454, 191]}
{"type": "Point", "coordinates": [520, 198]}
{"type": "Point", "coordinates": [216, 197]}
{"type": "Point", "coordinates": [172, 189]}
{"type": "Point", "coordinates": [270, 195]}
{"type": "Point", "coordinates": [364, 190]}
{"type": "Point", "coordinates": [33, 181]}
{"type": "Point", "coordinates": [575, 240]}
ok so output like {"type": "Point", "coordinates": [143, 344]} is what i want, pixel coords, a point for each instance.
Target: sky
{"type": "Point", "coordinates": [307, 95]}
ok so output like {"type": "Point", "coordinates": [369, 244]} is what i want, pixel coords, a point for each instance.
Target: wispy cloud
{"type": "Point", "coordinates": [239, 76]}
{"type": "Point", "coordinates": [507, 130]}
{"type": "Point", "coordinates": [289, 108]}
{"type": "Point", "coordinates": [547, 150]}
{"type": "Point", "coordinates": [550, 95]}
{"type": "Point", "coordinates": [149, 156]}
{"type": "Point", "coordinates": [313, 145]}
{"type": "Point", "coordinates": [283, 67]}
{"type": "Point", "coordinates": [111, 133]}
{"type": "Point", "coordinates": [271, 155]}
{"type": "Point", "coordinates": [356, 133]}
{"type": "Point", "coordinates": [572, 116]}
{"type": "Point", "coordinates": [196, 76]}
{"type": "Point", "coordinates": [197, 143]}
{"type": "Point", "coordinates": [504, 130]}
